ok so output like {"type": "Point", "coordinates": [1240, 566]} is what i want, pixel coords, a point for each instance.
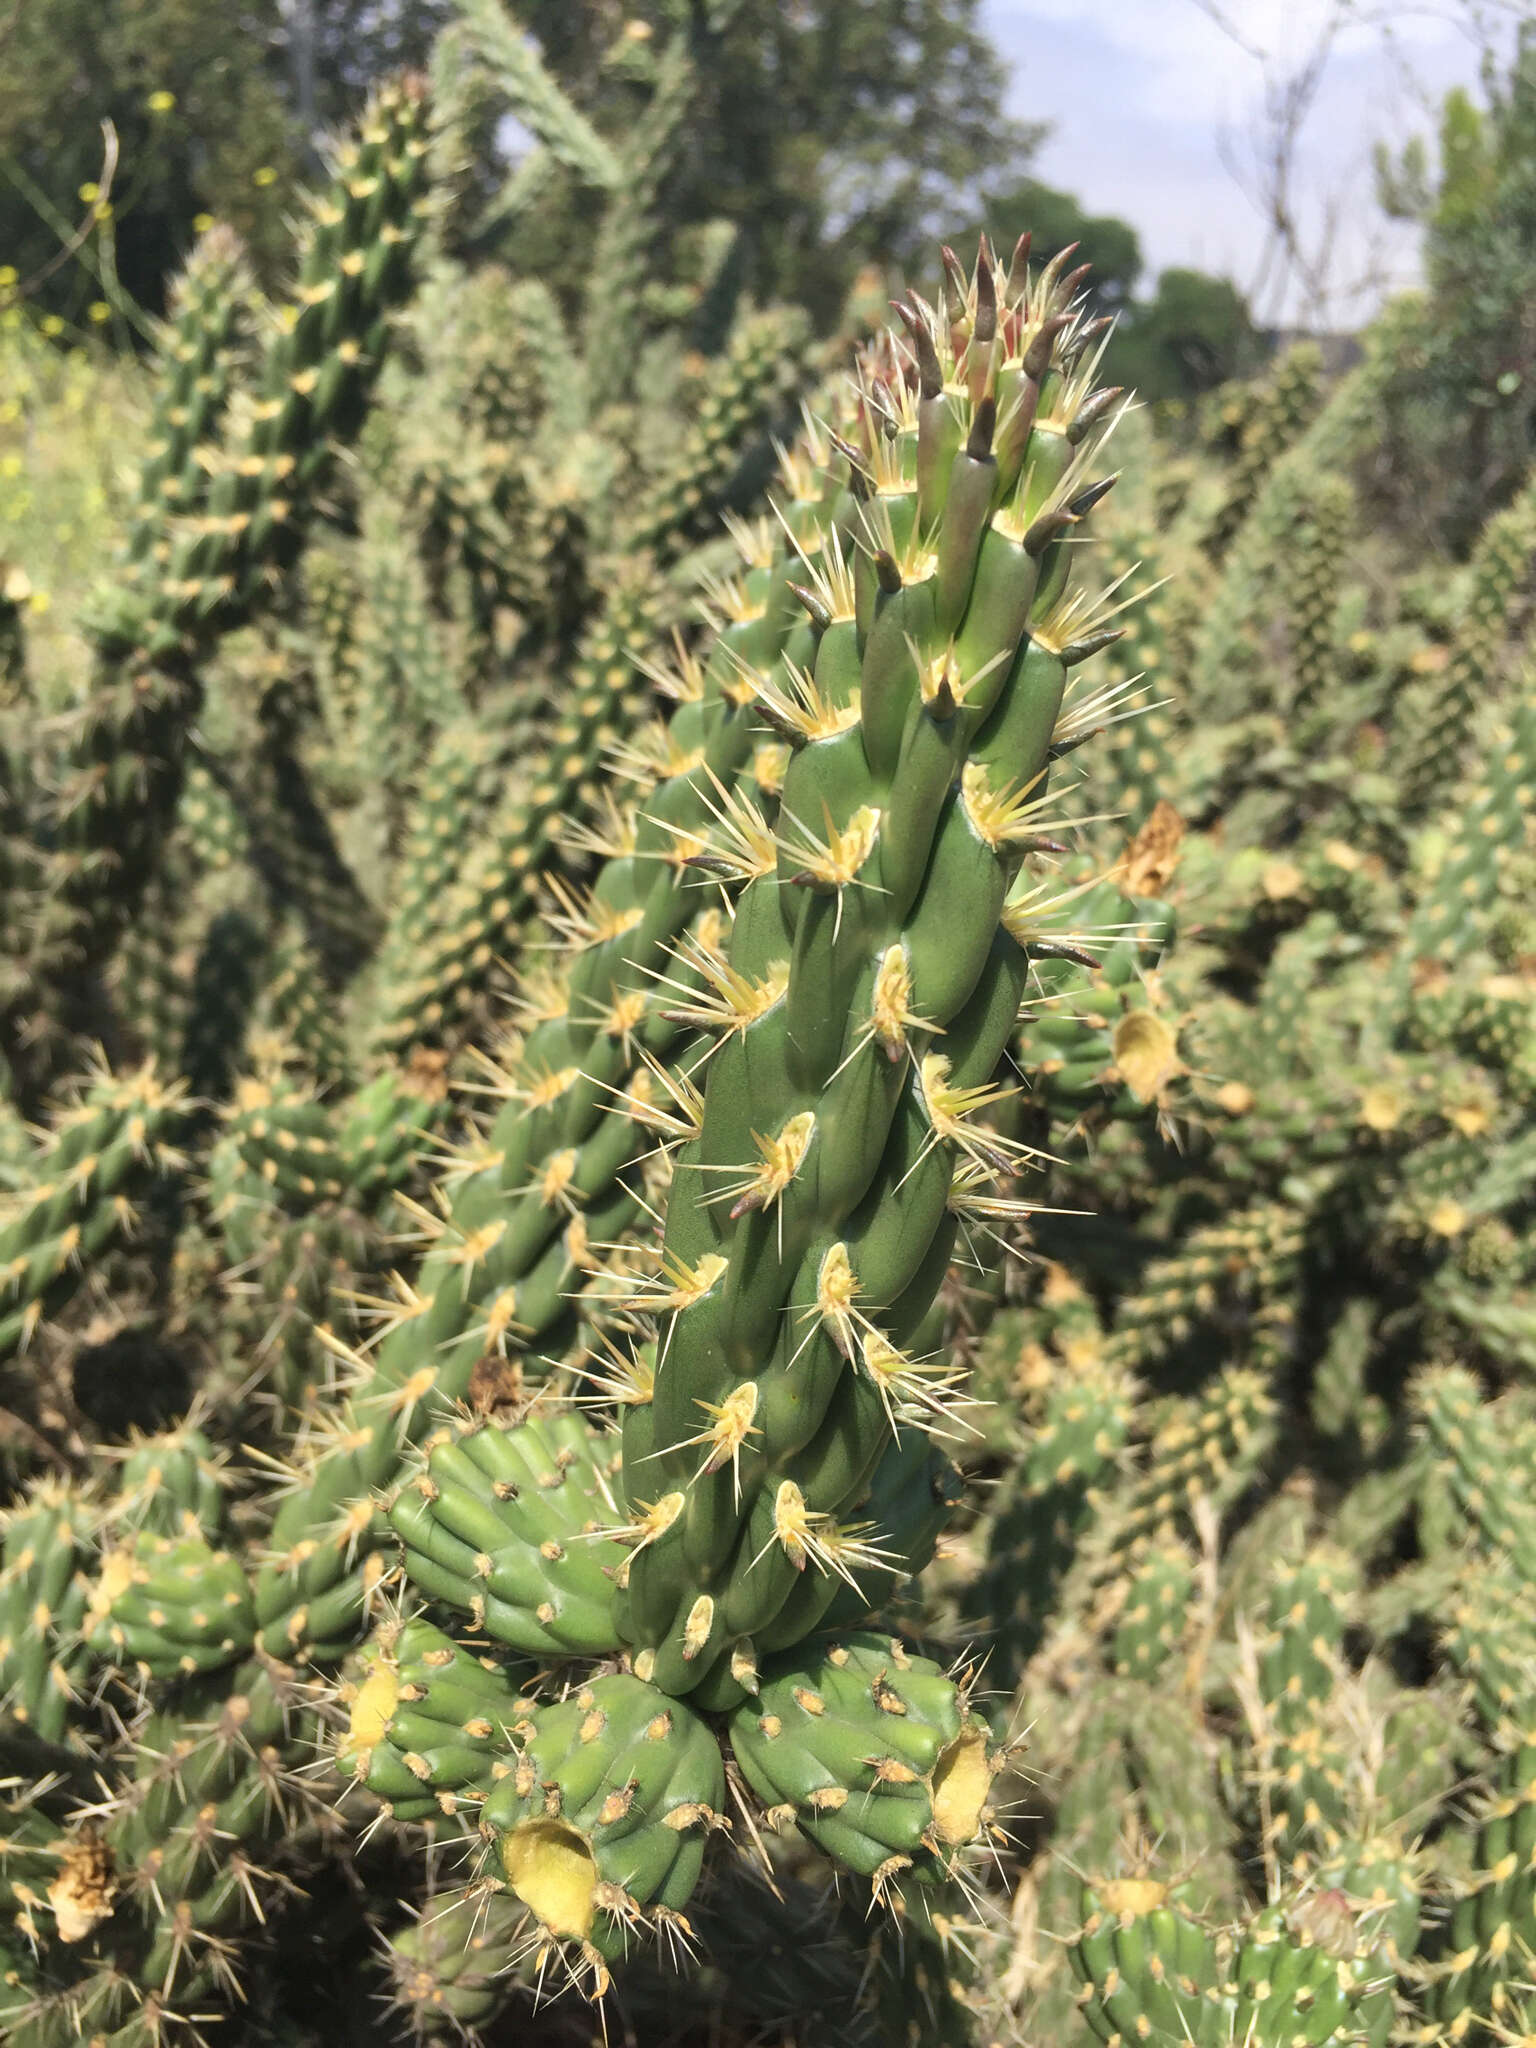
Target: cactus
{"type": "Point", "coordinates": [1047, 1506]}
{"type": "Point", "coordinates": [428, 1723]}
{"type": "Point", "coordinates": [1492, 1923]}
{"type": "Point", "coordinates": [538, 100]}
{"type": "Point", "coordinates": [472, 929]}
{"type": "Point", "coordinates": [600, 1826]}
{"type": "Point", "coordinates": [504, 1525]}
{"type": "Point", "coordinates": [900, 1239]}
{"type": "Point", "coordinates": [1434, 727]}
{"type": "Point", "coordinates": [1102, 1043]}
{"type": "Point", "coordinates": [1299, 525]}
{"type": "Point", "coordinates": [170, 1606]}
{"type": "Point", "coordinates": [1281, 411]}
{"type": "Point", "coordinates": [173, 1484]}
{"type": "Point", "coordinates": [875, 1755]}
{"type": "Point", "coordinates": [445, 1970]}
{"type": "Point", "coordinates": [1210, 1274]}
{"type": "Point", "coordinates": [791, 1280]}
{"type": "Point", "coordinates": [42, 1606]}
{"type": "Point", "coordinates": [1149, 1971]}
{"type": "Point", "coordinates": [1485, 840]}
{"type": "Point", "coordinates": [755, 379]}
{"type": "Point", "coordinates": [1145, 759]}
{"type": "Point", "coordinates": [1159, 1592]}
{"type": "Point", "coordinates": [1311, 624]}
{"type": "Point", "coordinates": [78, 1199]}
{"type": "Point", "coordinates": [199, 564]}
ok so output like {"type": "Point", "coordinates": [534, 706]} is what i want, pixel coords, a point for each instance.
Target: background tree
{"type": "Point", "coordinates": [1464, 397]}
{"type": "Point", "coordinates": [1057, 220]}
{"type": "Point", "coordinates": [832, 133]}
{"type": "Point", "coordinates": [215, 110]}
{"type": "Point", "coordinates": [1192, 334]}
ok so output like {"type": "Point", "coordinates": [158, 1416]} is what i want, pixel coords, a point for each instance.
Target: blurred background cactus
{"type": "Point", "coordinates": [767, 1072]}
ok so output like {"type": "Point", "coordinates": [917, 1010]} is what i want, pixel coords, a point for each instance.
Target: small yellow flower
{"type": "Point", "coordinates": [10, 465]}
{"type": "Point", "coordinates": [265, 176]}
{"type": "Point", "coordinates": [7, 276]}
{"type": "Point", "coordinates": [161, 102]}
{"type": "Point", "coordinates": [52, 324]}
{"type": "Point", "coordinates": [90, 192]}
{"type": "Point", "coordinates": [201, 223]}
{"type": "Point", "coordinates": [104, 211]}
{"type": "Point", "coordinates": [98, 310]}
{"type": "Point", "coordinates": [39, 602]}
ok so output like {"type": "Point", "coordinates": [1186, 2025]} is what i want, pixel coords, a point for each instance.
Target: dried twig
{"type": "Point", "coordinates": [1299, 261]}
{"type": "Point", "coordinates": [93, 212]}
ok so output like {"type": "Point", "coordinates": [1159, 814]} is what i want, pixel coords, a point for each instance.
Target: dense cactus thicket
{"type": "Point", "coordinates": [765, 1174]}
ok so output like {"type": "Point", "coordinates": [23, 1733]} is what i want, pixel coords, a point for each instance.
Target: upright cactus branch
{"type": "Point", "coordinates": [213, 529]}
{"type": "Point", "coordinates": [870, 984]}
{"type": "Point", "coordinates": [1436, 725]}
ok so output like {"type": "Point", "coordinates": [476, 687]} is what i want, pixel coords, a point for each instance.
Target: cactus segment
{"type": "Point", "coordinates": [170, 1605]}
{"type": "Point", "coordinates": [600, 1827]}
{"type": "Point", "coordinates": [1493, 1920]}
{"type": "Point", "coordinates": [508, 1527]}
{"type": "Point", "coordinates": [1046, 1508]}
{"type": "Point", "coordinates": [874, 1754]}
{"type": "Point", "coordinates": [1148, 1969]}
{"type": "Point", "coordinates": [1102, 1042]}
{"type": "Point", "coordinates": [173, 1484]}
{"type": "Point", "coordinates": [1437, 724]}
{"type": "Point", "coordinates": [43, 1591]}
{"type": "Point", "coordinates": [1159, 1593]}
{"type": "Point", "coordinates": [1294, 1975]}
{"type": "Point", "coordinates": [112, 1147]}
{"type": "Point", "coordinates": [429, 1723]}
{"type": "Point", "coordinates": [218, 522]}
{"type": "Point", "coordinates": [1281, 411]}
{"type": "Point", "coordinates": [446, 1968]}
{"type": "Point", "coordinates": [872, 982]}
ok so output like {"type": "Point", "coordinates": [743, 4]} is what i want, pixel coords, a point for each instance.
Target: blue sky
{"type": "Point", "coordinates": [1141, 93]}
